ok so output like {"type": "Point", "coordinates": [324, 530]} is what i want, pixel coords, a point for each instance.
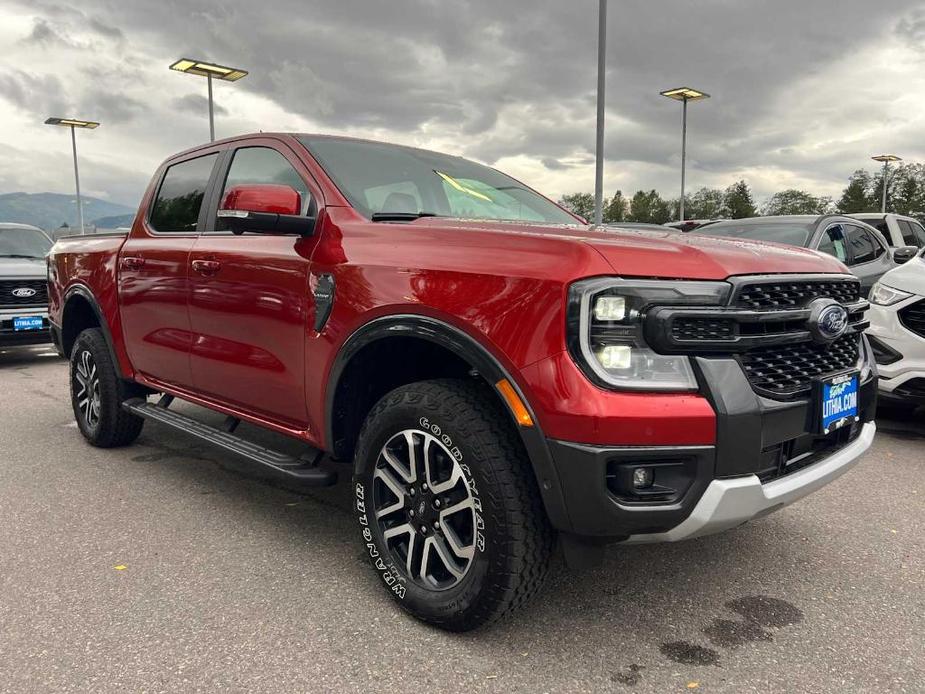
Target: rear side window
{"type": "Point", "coordinates": [908, 233]}
{"type": "Point", "coordinates": [179, 199]}
{"type": "Point", "coordinates": [864, 247]}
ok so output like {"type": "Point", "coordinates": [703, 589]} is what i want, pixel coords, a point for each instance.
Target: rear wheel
{"type": "Point", "coordinates": [448, 505]}
{"type": "Point", "coordinates": [97, 394]}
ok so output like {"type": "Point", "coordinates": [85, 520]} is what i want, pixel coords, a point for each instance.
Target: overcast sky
{"type": "Point", "coordinates": [803, 92]}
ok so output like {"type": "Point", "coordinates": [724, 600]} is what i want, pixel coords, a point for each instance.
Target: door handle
{"type": "Point", "coordinates": [206, 267]}
{"type": "Point", "coordinates": [132, 263]}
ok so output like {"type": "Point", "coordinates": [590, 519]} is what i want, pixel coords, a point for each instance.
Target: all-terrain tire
{"type": "Point", "coordinates": [97, 394]}
{"type": "Point", "coordinates": [512, 539]}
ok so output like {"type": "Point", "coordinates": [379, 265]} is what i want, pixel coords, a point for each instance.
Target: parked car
{"type": "Point", "coordinates": [858, 245]}
{"type": "Point", "coordinates": [897, 333]}
{"type": "Point", "coordinates": [23, 293]}
{"type": "Point", "coordinates": [897, 229]}
{"type": "Point", "coordinates": [491, 372]}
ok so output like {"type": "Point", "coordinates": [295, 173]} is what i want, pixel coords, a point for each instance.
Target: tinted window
{"type": "Point", "coordinates": [878, 223]}
{"type": "Point", "coordinates": [23, 243]}
{"type": "Point", "coordinates": [833, 242]}
{"type": "Point", "coordinates": [908, 233]}
{"type": "Point", "coordinates": [864, 248]}
{"type": "Point", "coordinates": [919, 232]}
{"type": "Point", "coordinates": [264, 165]}
{"type": "Point", "coordinates": [780, 232]}
{"type": "Point", "coordinates": [177, 205]}
{"type": "Point", "coordinates": [378, 177]}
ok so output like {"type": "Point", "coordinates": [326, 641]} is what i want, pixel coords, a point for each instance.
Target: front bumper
{"type": "Point", "coordinates": [906, 368]}
{"type": "Point", "coordinates": [729, 503]}
{"type": "Point", "coordinates": [10, 337]}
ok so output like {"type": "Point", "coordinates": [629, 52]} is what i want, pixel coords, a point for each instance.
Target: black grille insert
{"type": "Point", "coordinates": [693, 328]}
{"type": "Point", "coordinates": [796, 294]}
{"type": "Point", "coordinates": [15, 293]}
{"type": "Point", "coordinates": [785, 370]}
{"type": "Point", "coordinates": [913, 317]}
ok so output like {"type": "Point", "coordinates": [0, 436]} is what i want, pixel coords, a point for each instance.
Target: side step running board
{"type": "Point", "coordinates": [304, 469]}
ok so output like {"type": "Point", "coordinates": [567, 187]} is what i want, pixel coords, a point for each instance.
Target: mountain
{"type": "Point", "coordinates": [50, 210]}
{"type": "Point", "coordinates": [115, 221]}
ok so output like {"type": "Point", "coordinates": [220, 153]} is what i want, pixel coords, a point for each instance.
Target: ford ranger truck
{"type": "Point", "coordinates": [497, 376]}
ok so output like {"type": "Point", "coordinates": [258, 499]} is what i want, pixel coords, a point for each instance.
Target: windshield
{"type": "Point", "coordinates": [791, 233]}
{"type": "Point", "coordinates": [380, 179]}
{"type": "Point", "coordinates": [23, 243]}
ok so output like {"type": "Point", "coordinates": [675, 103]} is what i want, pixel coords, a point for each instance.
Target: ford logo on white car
{"type": "Point", "coordinates": [24, 292]}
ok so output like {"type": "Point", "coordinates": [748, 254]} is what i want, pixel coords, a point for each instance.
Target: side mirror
{"type": "Point", "coordinates": [265, 208]}
{"type": "Point", "coordinates": [905, 254]}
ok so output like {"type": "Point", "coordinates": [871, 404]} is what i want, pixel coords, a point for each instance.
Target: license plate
{"type": "Point", "coordinates": [27, 323]}
{"type": "Point", "coordinates": [838, 401]}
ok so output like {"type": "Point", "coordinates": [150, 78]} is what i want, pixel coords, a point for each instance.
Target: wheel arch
{"type": "Point", "coordinates": [465, 355]}
{"type": "Point", "coordinates": [82, 311]}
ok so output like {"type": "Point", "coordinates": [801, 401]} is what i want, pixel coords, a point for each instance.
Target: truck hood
{"type": "Point", "coordinates": [25, 268]}
{"type": "Point", "coordinates": [908, 277]}
{"type": "Point", "coordinates": [670, 254]}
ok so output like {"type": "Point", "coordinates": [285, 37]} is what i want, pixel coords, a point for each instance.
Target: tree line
{"type": "Point", "coordinates": [905, 195]}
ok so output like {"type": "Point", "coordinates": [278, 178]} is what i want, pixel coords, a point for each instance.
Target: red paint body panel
{"type": "Point", "coordinates": [235, 330]}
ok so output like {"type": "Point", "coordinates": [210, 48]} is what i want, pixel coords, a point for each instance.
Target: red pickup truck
{"type": "Point", "coordinates": [496, 375]}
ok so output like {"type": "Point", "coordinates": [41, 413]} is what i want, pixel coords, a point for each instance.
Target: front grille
{"type": "Point", "coordinates": [790, 456]}
{"type": "Point", "coordinates": [913, 317]}
{"type": "Point", "coordinates": [9, 300]}
{"type": "Point", "coordinates": [692, 328]}
{"type": "Point", "coordinates": [785, 370]}
{"type": "Point", "coordinates": [795, 294]}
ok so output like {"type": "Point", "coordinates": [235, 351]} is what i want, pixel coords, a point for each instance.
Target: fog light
{"type": "Point", "coordinates": [642, 477]}
{"type": "Point", "coordinates": [615, 356]}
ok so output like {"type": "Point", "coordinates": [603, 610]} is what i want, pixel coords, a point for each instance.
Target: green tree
{"type": "Point", "coordinates": [792, 201]}
{"type": "Point", "coordinates": [615, 208]}
{"type": "Point", "coordinates": [738, 202]}
{"type": "Point", "coordinates": [649, 207]}
{"type": "Point", "coordinates": [706, 203]}
{"type": "Point", "coordinates": [581, 204]}
{"type": "Point", "coordinates": [857, 196]}
{"type": "Point", "coordinates": [906, 190]}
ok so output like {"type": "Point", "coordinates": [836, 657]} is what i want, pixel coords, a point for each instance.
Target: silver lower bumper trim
{"type": "Point", "coordinates": [729, 503]}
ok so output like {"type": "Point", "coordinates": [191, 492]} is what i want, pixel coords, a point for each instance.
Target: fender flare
{"type": "Point", "coordinates": [483, 361]}
{"type": "Point", "coordinates": [87, 295]}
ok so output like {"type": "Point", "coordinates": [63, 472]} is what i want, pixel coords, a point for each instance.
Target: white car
{"type": "Point", "coordinates": [897, 333]}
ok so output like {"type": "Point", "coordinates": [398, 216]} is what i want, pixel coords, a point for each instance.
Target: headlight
{"type": "Point", "coordinates": [605, 317]}
{"type": "Point", "coordinates": [883, 295]}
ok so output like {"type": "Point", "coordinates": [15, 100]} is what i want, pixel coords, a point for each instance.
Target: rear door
{"type": "Point", "coordinates": [249, 296]}
{"type": "Point", "coordinates": [153, 271]}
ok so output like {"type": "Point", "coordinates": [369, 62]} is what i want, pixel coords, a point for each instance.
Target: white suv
{"type": "Point", "coordinates": [897, 333]}
{"type": "Point", "coordinates": [897, 229]}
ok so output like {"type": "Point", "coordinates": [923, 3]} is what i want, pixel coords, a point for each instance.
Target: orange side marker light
{"type": "Point", "coordinates": [521, 414]}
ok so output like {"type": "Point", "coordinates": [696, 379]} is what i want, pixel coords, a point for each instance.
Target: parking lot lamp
{"type": "Point", "coordinates": [601, 83]}
{"type": "Point", "coordinates": [209, 70]}
{"type": "Point", "coordinates": [73, 124]}
{"type": "Point", "coordinates": [886, 159]}
{"type": "Point", "coordinates": [684, 94]}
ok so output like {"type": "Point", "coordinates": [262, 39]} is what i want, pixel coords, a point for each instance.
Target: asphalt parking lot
{"type": "Point", "coordinates": [164, 567]}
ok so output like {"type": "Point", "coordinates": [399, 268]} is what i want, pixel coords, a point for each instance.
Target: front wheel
{"type": "Point", "coordinates": [97, 394]}
{"type": "Point", "coordinates": [448, 505]}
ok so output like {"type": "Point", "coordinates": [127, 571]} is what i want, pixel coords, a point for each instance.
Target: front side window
{"type": "Point", "coordinates": [179, 199]}
{"type": "Point", "coordinates": [23, 243]}
{"type": "Point", "coordinates": [833, 243]}
{"type": "Point", "coordinates": [919, 231]}
{"type": "Point", "coordinates": [378, 178]}
{"type": "Point", "coordinates": [908, 233]}
{"type": "Point", "coordinates": [263, 165]}
{"type": "Point", "coordinates": [864, 248]}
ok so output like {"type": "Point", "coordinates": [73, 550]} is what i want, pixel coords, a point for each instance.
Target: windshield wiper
{"type": "Point", "coordinates": [20, 255]}
{"type": "Point", "coordinates": [400, 216]}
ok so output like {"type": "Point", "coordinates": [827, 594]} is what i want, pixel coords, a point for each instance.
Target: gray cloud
{"type": "Point", "coordinates": [197, 105]}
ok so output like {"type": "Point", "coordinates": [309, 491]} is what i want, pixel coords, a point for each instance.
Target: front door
{"type": "Point", "coordinates": [153, 273]}
{"type": "Point", "coordinates": [249, 299]}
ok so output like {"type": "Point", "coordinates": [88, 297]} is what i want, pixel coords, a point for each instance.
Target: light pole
{"type": "Point", "coordinates": [886, 159]}
{"type": "Point", "coordinates": [73, 124]}
{"type": "Point", "coordinates": [601, 83]}
{"type": "Point", "coordinates": [209, 70]}
{"type": "Point", "coordinates": [684, 94]}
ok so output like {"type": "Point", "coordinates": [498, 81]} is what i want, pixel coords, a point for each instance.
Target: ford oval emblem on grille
{"type": "Point", "coordinates": [24, 292]}
{"type": "Point", "coordinates": [828, 320]}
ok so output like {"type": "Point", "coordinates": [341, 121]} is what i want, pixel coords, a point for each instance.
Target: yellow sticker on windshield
{"type": "Point", "coordinates": [461, 188]}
